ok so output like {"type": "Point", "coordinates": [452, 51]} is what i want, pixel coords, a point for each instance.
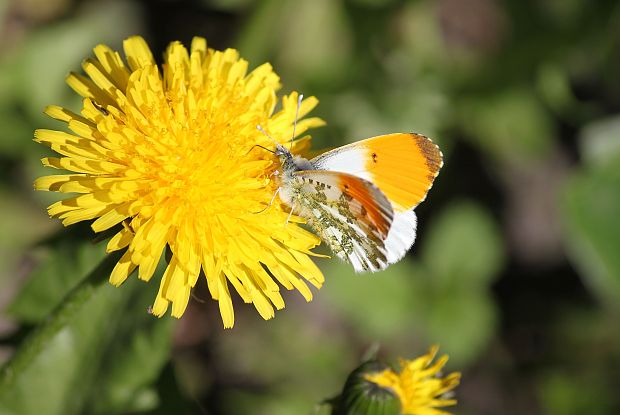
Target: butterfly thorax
{"type": "Point", "coordinates": [290, 163]}
{"type": "Point", "coordinates": [290, 184]}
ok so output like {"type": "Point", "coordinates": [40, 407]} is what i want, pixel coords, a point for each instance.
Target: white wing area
{"type": "Point", "coordinates": [347, 159]}
{"type": "Point", "coordinates": [401, 236]}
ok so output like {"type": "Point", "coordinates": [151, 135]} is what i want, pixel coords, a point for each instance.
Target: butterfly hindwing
{"type": "Point", "coordinates": [349, 213]}
{"type": "Point", "coordinates": [401, 236]}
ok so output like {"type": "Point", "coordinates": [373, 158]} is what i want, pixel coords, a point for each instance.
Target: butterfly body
{"type": "Point", "coordinates": [334, 206]}
{"type": "Point", "coordinates": [341, 195]}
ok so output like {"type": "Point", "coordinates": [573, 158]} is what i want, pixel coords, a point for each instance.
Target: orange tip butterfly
{"type": "Point", "coordinates": [360, 198]}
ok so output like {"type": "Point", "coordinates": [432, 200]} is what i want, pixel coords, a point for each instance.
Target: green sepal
{"type": "Point", "coordinates": [362, 397]}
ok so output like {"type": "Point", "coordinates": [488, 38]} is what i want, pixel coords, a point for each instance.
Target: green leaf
{"type": "Point", "coordinates": [59, 270]}
{"type": "Point", "coordinates": [591, 205]}
{"type": "Point", "coordinates": [462, 323]}
{"type": "Point", "coordinates": [131, 366]}
{"type": "Point", "coordinates": [75, 360]}
{"type": "Point", "coordinates": [55, 368]}
{"type": "Point", "coordinates": [568, 393]}
{"type": "Point", "coordinates": [463, 247]}
{"type": "Point", "coordinates": [49, 54]}
{"type": "Point", "coordinates": [16, 133]}
{"type": "Point", "coordinates": [511, 125]}
{"type": "Point", "coordinates": [380, 304]}
{"type": "Point", "coordinates": [554, 85]}
{"type": "Point", "coordinates": [21, 225]}
{"type": "Point", "coordinates": [288, 357]}
{"type": "Point", "coordinates": [300, 51]}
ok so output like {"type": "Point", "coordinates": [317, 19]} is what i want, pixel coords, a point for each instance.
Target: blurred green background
{"type": "Point", "coordinates": [516, 271]}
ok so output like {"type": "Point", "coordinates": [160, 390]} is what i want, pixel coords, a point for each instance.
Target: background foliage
{"type": "Point", "coordinates": [516, 272]}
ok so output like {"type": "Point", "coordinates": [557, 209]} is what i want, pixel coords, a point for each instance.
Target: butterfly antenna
{"type": "Point", "coordinates": [299, 99]}
{"type": "Point", "coordinates": [263, 147]}
{"type": "Point", "coordinates": [259, 128]}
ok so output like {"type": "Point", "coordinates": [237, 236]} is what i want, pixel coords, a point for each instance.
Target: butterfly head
{"type": "Point", "coordinates": [287, 161]}
{"type": "Point", "coordinates": [281, 151]}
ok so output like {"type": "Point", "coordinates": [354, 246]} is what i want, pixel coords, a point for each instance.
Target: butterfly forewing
{"type": "Point", "coordinates": [349, 213]}
{"type": "Point", "coordinates": [402, 165]}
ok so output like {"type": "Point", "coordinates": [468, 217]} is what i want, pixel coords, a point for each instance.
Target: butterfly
{"type": "Point", "coordinates": [360, 198]}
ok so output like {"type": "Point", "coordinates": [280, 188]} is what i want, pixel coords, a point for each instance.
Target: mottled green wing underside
{"type": "Point", "coordinates": [350, 215]}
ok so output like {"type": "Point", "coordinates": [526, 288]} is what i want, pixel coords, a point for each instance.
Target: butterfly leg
{"type": "Point", "coordinates": [290, 214]}
{"type": "Point", "coordinates": [270, 203]}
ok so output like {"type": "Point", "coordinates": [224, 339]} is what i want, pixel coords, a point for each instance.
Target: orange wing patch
{"type": "Point", "coordinates": [403, 166]}
{"type": "Point", "coordinates": [371, 211]}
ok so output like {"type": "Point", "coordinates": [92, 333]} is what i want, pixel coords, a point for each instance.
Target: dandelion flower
{"type": "Point", "coordinates": [168, 159]}
{"type": "Point", "coordinates": [419, 385]}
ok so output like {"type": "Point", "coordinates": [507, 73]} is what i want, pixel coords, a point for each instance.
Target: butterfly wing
{"type": "Point", "coordinates": [403, 166]}
{"type": "Point", "coordinates": [349, 213]}
{"type": "Point", "coordinates": [401, 236]}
